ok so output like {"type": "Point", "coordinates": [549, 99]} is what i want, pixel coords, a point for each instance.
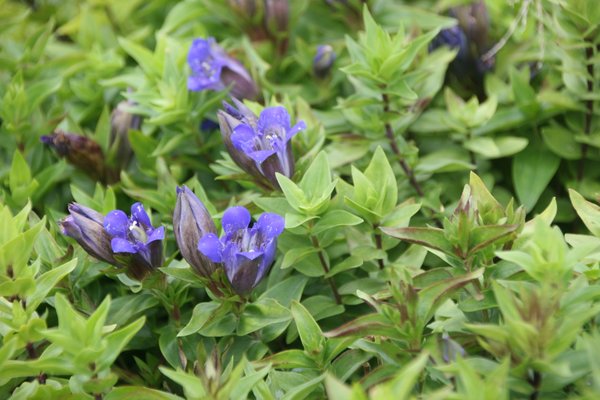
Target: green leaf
{"type": "Point", "coordinates": [310, 334]}
{"type": "Point", "coordinates": [496, 147]}
{"type": "Point", "coordinates": [46, 282]}
{"type": "Point", "coordinates": [261, 313]}
{"type": "Point", "coordinates": [297, 254]}
{"type": "Point", "coordinates": [430, 237]}
{"type": "Point", "coordinates": [151, 65]}
{"type": "Point", "coordinates": [103, 128]}
{"type": "Point", "coordinates": [294, 195]}
{"type": "Point", "coordinates": [116, 341]}
{"type": "Point", "coordinates": [562, 142]}
{"type": "Point", "coordinates": [587, 211]}
{"type": "Point", "coordinates": [432, 296]}
{"type": "Point", "coordinates": [302, 391]}
{"type": "Point", "coordinates": [335, 218]}
{"type": "Point", "coordinates": [532, 171]}
{"type": "Point", "coordinates": [192, 385]}
{"type": "Point", "coordinates": [381, 175]}
{"type": "Point", "coordinates": [202, 314]}
{"type": "Point", "coordinates": [317, 177]}
{"type": "Point", "coordinates": [132, 392]}
{"type": "Point", "coordinates": [19, 181]}
{"type": "Point", "coordinates": [402, 385]}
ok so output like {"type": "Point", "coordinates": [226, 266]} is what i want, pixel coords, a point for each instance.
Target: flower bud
{"type": "Point", "coordinates": [323, 61]}
{"type": "Point", "coordinates": [451, 350]}
{"type": "Point", "coordinates": [245, 252]}
{"type": "Point", "coordinates": [213, 69]}
{"type": "Point", "coordinates": [244, 8]}
{"type": "Point", "coordinates": [191, 221]}
{"type": "Point", "coordinates": [81, 152]}
{"type": "Point", "coordinates": [121, 122]}
{"type": "Point", "coordinates": [277, 15]}
{"type": "Point", "coordinates": [86, 226]}
{"type": "Point", "coordinates": [260, 145]}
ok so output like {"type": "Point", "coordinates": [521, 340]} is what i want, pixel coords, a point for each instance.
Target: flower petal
{"type": "Point", "coordinates": [270, 116]}
{"type": "Point", "coordinates": [211, 247]}
{"type": "Point", "coordinates": [250, 255]}
{"type": "Point", "coordinates": [235, 218]}
{"type": "Point", "coordinates": [270, 225]}
{"type": "Point", "coordinates": [260, 156]}
{"type": "Point", "coordinates": [243, 137]}
{"type": "Point", "coordinates": [300, 126]}
{"type": "Point", "coordinates": [139, 214]}
{"type": "Point", "coordinates": [120, 245]}
{"type": "Point", "coordinates": [116, 223]}
{"type": "Point", "coordinates": [156, 234]}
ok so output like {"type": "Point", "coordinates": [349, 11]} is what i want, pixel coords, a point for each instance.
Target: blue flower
{"type": "Point", "coordinates": [323, 60]}
{"type": "Point", "coordinates": [260, 145]}
{"type": "Point", "coordinates": [245, 252]}
{"type": "Point", "coordinates": [213, 69]}
{"type": "Point", "coordinates": [134, 241]}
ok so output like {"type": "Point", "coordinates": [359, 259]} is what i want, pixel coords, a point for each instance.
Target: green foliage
{"type": "Point", "coordinates": [442, 226]}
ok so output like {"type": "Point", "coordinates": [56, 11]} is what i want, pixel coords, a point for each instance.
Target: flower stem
{"type": "Point", "coordinates": [535, 381]}
{"type": "Point", "coordinates": [379, 244]}
{"type": "Point", "coordinates": [589, 105]}
{"type": "Point", "coordinates": [392, 139]}
{"type": "Point", "coordinates": [336, 294]}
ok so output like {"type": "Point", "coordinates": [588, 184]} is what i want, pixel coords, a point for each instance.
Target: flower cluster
{"type": "Point", "coordinates": [259, 145]}
{"type": "Point", "coordinates": [245, 253]}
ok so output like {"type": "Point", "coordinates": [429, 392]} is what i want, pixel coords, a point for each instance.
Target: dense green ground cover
{"type": "Point", "coordinates": [422, 176]}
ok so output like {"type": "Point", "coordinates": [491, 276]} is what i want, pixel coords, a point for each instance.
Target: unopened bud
{"type": "Point", "coordinates": [121, 122]}
{"type": "Point", "coordinates": [81, 152]}
{"type": "Point", "coordinates": [277, 15]}
{"type": "Point", "coordinates": [323, 61]}
{"type": "Point", "coordinates": [191, 221]}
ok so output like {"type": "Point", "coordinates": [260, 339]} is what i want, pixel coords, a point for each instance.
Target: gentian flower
{"type": "Point", "coordinates": [245, 252]}
{"type": "Point", "coordinates": [86, 226]}
{"type": "Point", "coordinates": [213, 69]}
{"type": "Point", "coordinates": [191, 221]}
{"type": "Point", "coordinates": [470, 38]}
{"type": "Point", "coordinates": [323, 60]}
{"type": "Point", "coordinates": [260, 145]}
{"type": "Point", "coordinates": [131, 243]}
{"type": "Point", "coordinates": [134, 241]}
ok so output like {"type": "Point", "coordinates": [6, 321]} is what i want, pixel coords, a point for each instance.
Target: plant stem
{"type": "Point", "coordinates": [472, 158]}
{"type": "Point", "coordinates": [379, 244]}
{"type": "Point", "coordinates": [334, 289]}
{"type": "Point", "coordinates": [32, 355]}
{"type": "Point", "coordinates": [589, 105]}
{"type": "Point", "coordinates": [535, 382]}
{"type": "Point", "coordinates": [390, 135]}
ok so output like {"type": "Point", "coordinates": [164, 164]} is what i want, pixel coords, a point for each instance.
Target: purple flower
{"type": "Point", "coordinates": [245, 252]}
{"type": "Point", "coordinates": [191, 221]}
{"type": "Point", "coordinates": [134, 241]}
{"type": "Point", "coordinates": [260, 145]}
{"type": "Point", "coordinates": [213, 69]}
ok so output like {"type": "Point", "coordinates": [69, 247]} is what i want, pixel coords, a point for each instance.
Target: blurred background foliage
{"type": "Point", "coordinates": [479, 297]}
